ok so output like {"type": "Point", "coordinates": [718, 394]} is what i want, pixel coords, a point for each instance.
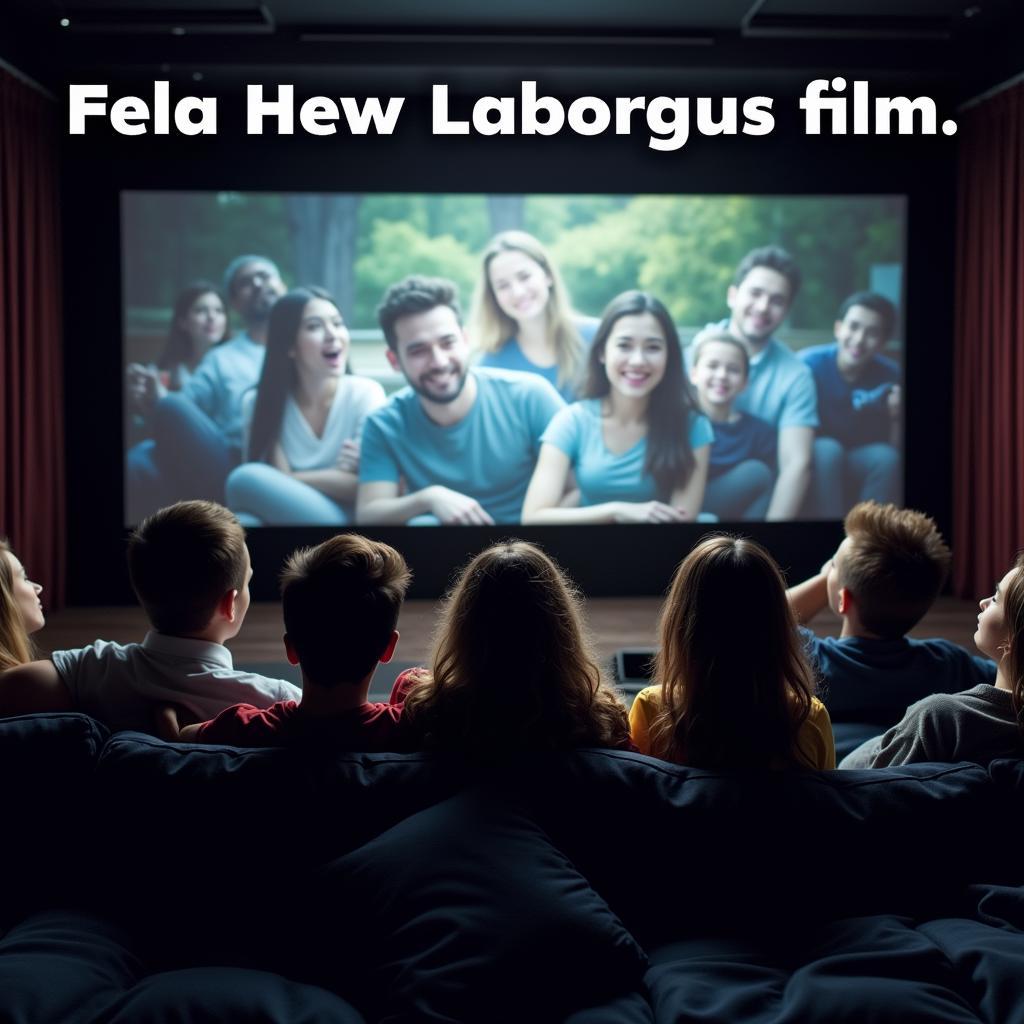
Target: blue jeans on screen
{"type": "Point", "coordinates": [844, 476]}
{"type": "Point", "coordinates": [272, 498]}
{"type": "Point", "coordinates": [741, 492]}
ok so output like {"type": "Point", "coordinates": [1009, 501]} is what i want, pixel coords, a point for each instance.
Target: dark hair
{"type": "Point", "coordinates": [774, 257]}
{"type": "Point", "coordinates": [669, 459]}
{"type": "Point", "coordinates": [894, 565]}
{"type": "Point", "coordinates": [341, 601]}
{"type": "Point", "coordinates": [179, 347]}
{"type": "Point", "coordinates": [415, 294]}
{"type": "Point", "coordinates": [513, 668]}
{"type": "Point", "coordinates": [877, 304]}
{"type": "Point", "coordinates": [279, 376]}
{"type": "Point", "coordinates": [734, 689]}
{"type": "Point", "coordinates": [182, 560]}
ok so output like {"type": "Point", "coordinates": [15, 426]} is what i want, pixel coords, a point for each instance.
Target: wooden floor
{"type": "Point", "coordinates": [614, 623]}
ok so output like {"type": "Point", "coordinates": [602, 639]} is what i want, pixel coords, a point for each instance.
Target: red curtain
{"type": "Point", "coordinates": [31, 403]}
{"type": "Point", "coordinates": [988, 445]}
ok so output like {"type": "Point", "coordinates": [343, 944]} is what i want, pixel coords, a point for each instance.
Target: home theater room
{"type": "Point", "coordinates": [512, 513]}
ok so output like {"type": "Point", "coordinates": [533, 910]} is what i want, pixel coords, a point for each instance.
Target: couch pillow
{"type": "Point", "coordinates": [466, 911]}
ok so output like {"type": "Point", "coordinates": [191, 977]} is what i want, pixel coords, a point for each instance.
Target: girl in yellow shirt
{"type": "Point", "coordinates": [732, 688]}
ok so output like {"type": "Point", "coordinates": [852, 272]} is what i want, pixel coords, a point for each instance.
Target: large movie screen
{"type": "Point", "coordinates": [404, 359]}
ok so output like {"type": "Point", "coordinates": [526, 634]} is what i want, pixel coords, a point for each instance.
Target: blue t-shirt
{"type": "Point", "coordinates": [780, 389]}
{"type": "Point", "coordinates": [747, 438]}
{"type": "Point", "coordinates": [489, 454]}
{"type": "Point", "coordinates": [600, 475]}
{"type": "Point", "coordinates": [854, 414]}
{"type": "Point", "coordinates": [511, 357]}
{"type": "Point", "coordinates": [223, 376]}
{"type": "Point", "coordinates": [875, 681]}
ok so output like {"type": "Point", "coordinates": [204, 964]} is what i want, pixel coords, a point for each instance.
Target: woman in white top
{"type": "Point", "coordinates": [304, 420]}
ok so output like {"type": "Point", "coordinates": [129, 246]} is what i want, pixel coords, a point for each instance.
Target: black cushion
{"type": "Point", "coordinates": [467, 912]}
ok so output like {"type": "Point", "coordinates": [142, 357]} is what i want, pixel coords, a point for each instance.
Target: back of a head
{"type": "Point", "coordinates": [182, 560]}
{"type": "Point", "coordinates": [341, 601]}
{"type": "Point", "coordinates": [735, 686]}
{"type": "Point", "coordinates": [15, 644]}
{"type": "Point", "coordinates": [415, 294]}
{"type": "Point", "coordinates": [894, 565]}
{"type": "Point", "coordinates": [513, 668]}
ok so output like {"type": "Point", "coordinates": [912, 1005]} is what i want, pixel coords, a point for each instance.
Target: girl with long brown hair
{"type": "Point", "coordinates": [513, 668]}
{"type": "Point", "coordinates": [732, 688]}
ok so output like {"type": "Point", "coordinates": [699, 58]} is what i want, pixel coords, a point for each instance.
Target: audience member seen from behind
{"type": "Point", "coordinates": [199, 321]}
{"type": "Point", "coordinates": [190, 569]}
{"type": "Point", "coordinates": [341, 601]}
{"type": "Point", "coordinates": [513, 668]}
{"type": "Point", "coordinates": [637, 446]}
{"type": "Point", "coordinates": [780, 390]}
{"type": "Point", "coordinates": [732, 687]}
{"type": "Point", "coordinates": [304, 422]}
{"type": "Point", "coordinates": [522, 318]}
{"type": "Point", "coordinates": [741, 465]}
{"type": "Point", "coordinates": [21, 611]}
{"type": "Point", "coordinates": [856, 452]}
{"type": "Point", "coordinates": [881, 582]}
{"type": "Point", "coordinates": [981, 724]}
{"type": "Point", "coordinates": [463, 441]}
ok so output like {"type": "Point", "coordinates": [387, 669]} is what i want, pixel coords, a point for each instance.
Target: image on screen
{"type": "Point", "coordinates": [469, 359]}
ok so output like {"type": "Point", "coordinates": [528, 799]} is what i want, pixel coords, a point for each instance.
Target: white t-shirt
{"type": "Point", "coordinates": [354, 399]}
{"type": "Point", "coordinates": [120, 683]}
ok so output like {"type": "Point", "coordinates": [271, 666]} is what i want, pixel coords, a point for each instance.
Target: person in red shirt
{"type": "Point", "coordinates": [341, 601]}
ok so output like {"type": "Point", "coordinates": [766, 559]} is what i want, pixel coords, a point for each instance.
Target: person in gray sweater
{"type": "Point", "coordinates": [980, 724]}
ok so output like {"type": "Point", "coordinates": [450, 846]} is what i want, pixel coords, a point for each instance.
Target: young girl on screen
{"type": "Point", "coordinates": [732, 688]}
{"type": "Point", "coordinates": [513, 668]}
{"type": "Point", "coordinates": [980, 724]}
{"type": "Point", "coordinates": [199, 321]}
{"type": "Point", "coordinates": [636, 443]}
{"type": "Point", "coordinates": [21, 611]}
{"type": "Point", "coordinates": [740, 470]}
{"type": "Point", "coordinates": [304, 420]}
{"type": "Point", "coordinates": [522, 318]}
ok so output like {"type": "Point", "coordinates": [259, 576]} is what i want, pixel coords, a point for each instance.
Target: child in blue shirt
{"type": "Point", "coordinates": [883, 578]}
{"type": "Point", "coordinates": [856, 452]}
{"type": "Point", "coordinates": [637, 446]}
{"type": "Point", "coordinates": [741, 469]}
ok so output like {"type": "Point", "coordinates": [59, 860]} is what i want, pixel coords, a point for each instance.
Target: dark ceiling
{"type": "Point", "coordinates": [954, 47]}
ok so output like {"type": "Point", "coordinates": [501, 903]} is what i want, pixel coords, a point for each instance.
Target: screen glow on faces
{"type": "Point", "coordinates": [322, 342]}
{"type": "Point", "coordinates": [635, 355]}
{"type": "Point", "coordinates": [520, 284]}
{"type": "Point", "coordinates": [719, 374]}
{"type": "Point", "coordinates": [990, 636]}
{"type": "Point", "coordinates": [759, 304]}
{"type": "Point", "coordinates": [26, 595]}
{"type": "Point", "coordinates": [433, 353]}
{"type": "Point", "coordinates": [206, 320]}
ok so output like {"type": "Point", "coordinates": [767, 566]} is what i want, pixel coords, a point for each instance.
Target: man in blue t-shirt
{"type": "Point", "coordinates": [883, 578]}
{"type": "Point", "coordinates": [464, 441]}
{"type": "Point", "coordinates": [856, 453]}
{"type": "Point", "coordinates": [780, 389]}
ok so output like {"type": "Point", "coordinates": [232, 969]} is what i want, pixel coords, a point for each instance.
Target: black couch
{"type": "Point", "coordinates": [146, 881]}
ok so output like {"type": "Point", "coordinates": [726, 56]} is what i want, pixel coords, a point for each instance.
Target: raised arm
{"type": "Point", "coordinates": [795, 447]}
{"type": "Point", "coordinates": [810, 597]}
{"type": "Point", "coordinates": [32, 688]}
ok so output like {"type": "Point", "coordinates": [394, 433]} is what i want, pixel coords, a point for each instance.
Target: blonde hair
{"type": "Point", "coordinates": [490, 327]}
{"type": "Point", "coordinates": [894, 565]}
{"type": "Point", "coordinates": [705, 338]}
{"type": "Point", "coordinates": [16, 646]}
{"type": "Point", "coordinates": [513, 668]}
{"type": "Point", "coordinates": [735, 689]}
